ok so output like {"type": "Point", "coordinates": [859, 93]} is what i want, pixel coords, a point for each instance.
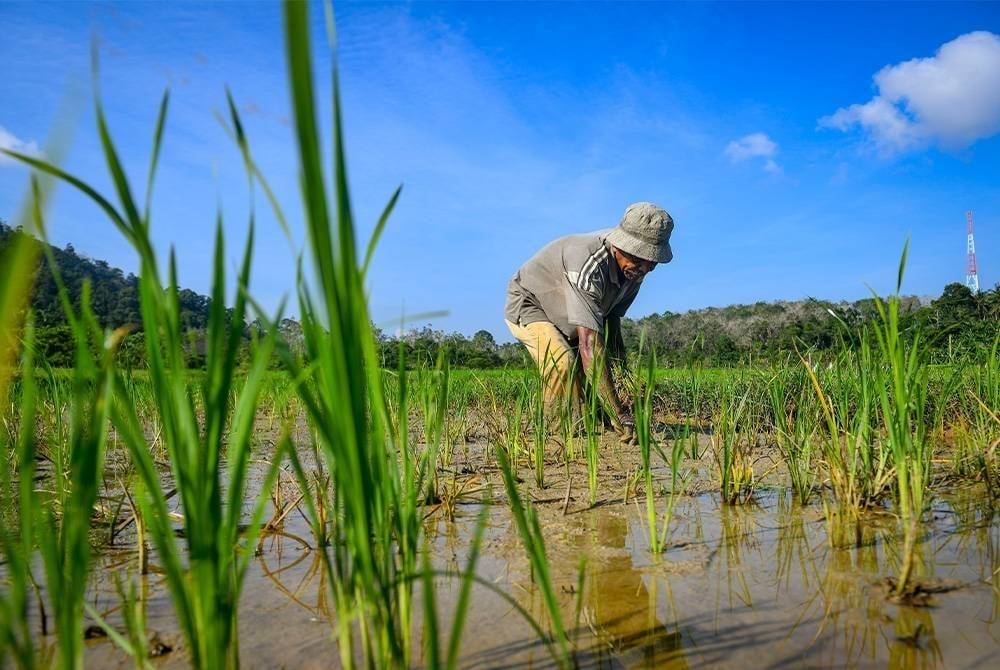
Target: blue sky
{"type": "Point", "coordinates": [797, 146]}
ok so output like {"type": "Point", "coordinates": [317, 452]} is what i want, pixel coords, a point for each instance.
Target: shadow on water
{"type": "Point", "coordinates": [612, 619]}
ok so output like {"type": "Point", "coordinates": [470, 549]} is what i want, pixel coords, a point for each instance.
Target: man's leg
{"type": "Point", "coordinates": [555, 359]}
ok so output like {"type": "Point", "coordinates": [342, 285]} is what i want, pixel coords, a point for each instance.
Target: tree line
{"type": "Point", "coordinates": [959, 325]}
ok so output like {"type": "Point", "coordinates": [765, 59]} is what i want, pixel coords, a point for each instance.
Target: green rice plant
{"type": "Point", "coordinates": [593, 418]}
{"type": "Point", "coordinates": [210, 460]}
{"type": "Point", "coordinates": [20, 513]}
{"type": "Point", "coordinates": [513, 439]}
{"type": "Point", "coordinates": [17, 498]}
{"type": "Point", "coordinates": [205, 591]}
{"type": "Point", "coordinates": [569, 415]}
{"type": "Point", "coordinates": [695, 382]}
{"type": "Point", "coordinates": [903, 400]}
{"type": "Point", "coordinates": [733, 443]}
{"type": "Point", "coordinates": [539, 430]}
{"type": "Point", "coordinates": [456, 422]}
{"type": "Point", "coordinates": [373, 557]}
{"type": "Point", "coordinates": [795, 424]}
{"type": "Point", "coordinates": [534, 545]}
{"type": "Point", "coordinates": [434, 386]}
{"type": "Point", "coordinates": [60, 521]}
{"type": "Point", "coordinates": [503, 412]}
{"type": "Point", "coordinates": [984, 420]}
{"type": "Point", "coordinates": [657, 525]}
{"type": "Point", "coordinates": [643, 433]}
{"type": "Point", "coordinates": [64, 524]}
{"type": "Point", "coordinates": [858, 467]}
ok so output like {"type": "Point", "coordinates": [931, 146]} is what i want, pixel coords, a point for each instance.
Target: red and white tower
{"type": "Point", "coordinates": [971, 274]}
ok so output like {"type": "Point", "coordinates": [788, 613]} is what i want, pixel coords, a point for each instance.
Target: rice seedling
{"type": "Point", "coordinates": [534, 545]}
{"type": "Point", "coordinates": [903, 400]}
{"type": "Point", "coordinates": [433, 387]}
{"type": "Point", "coordinates": [733, 443]}
{"type": "Point", "coordinates": [372, 559]}
{"type": "Point", "coordinates": [859, 469]}
{"type": "Point", "coordinates": [456, 424]}
{"type": "Point", "coordinates": [503, 415]}
{"type": "Point", "coordinates": [592, 418]}
{"type": "Point", "coordinates": [657, 525]}
{"type": "Point", "coordinates": [206, 590]}
{"type": "Point", "coordinates": [63, 526]}
{"type": "Point", "coordinates": [795, 424]}
{"type": "Point", "coordinates": [569, 416]}
{"type": "Point", "coordinates": [695, 381]}
{"type": "Point", "coordinates": [984, 434]}
{"type": "Point", "coordinates": [17, 532]}
{"type": "Point", "coordinates": [539, 430]}
{"type": "Point", "coordinates": [60, 521]}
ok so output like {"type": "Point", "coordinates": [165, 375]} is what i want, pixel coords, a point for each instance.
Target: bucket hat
{"type": "Point", "coordinates": [644, 231]}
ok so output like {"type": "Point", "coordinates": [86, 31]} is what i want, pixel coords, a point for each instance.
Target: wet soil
{"type": "Point", "coordinates": [765, 584]}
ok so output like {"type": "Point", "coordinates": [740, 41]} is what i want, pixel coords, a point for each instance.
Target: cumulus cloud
{"type": "Point", "coordinates": [13, 143]}
{"type": "Point", "coordinates": [951, 99]}
{"type": "Point", "coordinates": [755, 145]}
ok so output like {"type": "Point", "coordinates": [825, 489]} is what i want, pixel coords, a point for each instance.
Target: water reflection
{"type": "Point", "coordinates": [297, 572]}
{"type": "Point", "coordinates": [770, 585]}
{"type": "Point", "coordinates": [613, 618]}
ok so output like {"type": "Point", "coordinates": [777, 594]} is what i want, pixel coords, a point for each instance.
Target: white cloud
{"type": "Point", "coordinates": [951, 99]}
{"type": "Point", "coordinates": [755, 145]}
{"type": "Point", "coordinates": [11, 142]}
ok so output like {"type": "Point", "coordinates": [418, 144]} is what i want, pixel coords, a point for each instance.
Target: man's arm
{"type": "Point", "coordinates": [592, 349]}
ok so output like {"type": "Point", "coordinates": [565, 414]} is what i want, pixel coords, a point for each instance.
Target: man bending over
{"type": "Point", "coordinates": [571, 296]}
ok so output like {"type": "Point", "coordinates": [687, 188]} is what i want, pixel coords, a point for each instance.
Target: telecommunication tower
{"type": "Point", "coordinates": [971, 274]}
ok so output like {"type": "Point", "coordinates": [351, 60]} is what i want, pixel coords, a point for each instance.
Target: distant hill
{"type": "Point", "coordinates": [114, 295]}
{"type": "Point", "coordinates": [958, 324]}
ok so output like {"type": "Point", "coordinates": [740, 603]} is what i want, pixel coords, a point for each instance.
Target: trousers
{"type": "Point", "coordinates": [556, 360]}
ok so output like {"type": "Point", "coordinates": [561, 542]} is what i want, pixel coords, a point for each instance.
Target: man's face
{"type": "Point", "coordinates": [633, 267]}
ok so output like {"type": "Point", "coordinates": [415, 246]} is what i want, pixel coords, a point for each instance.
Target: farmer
{"type": "Point", "coordinates": [571, 296]}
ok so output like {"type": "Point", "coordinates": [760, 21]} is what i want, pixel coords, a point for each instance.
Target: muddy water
{"type": "Point", "coordinates": [751, 586]}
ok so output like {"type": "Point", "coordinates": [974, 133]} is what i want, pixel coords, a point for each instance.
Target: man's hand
{"type": "Point", "coordinates": [626, 428]}
{"type": "Point", "coordinates": [595, 362]}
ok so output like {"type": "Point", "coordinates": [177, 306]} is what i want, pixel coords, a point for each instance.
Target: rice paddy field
{"type": "Point", "coordinates": [834, 511]}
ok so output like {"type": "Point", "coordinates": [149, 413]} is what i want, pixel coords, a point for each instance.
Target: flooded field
{"type": "Point", "coordinates": [766, 583]}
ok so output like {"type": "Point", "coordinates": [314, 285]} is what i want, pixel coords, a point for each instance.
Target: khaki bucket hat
{"type": "Point", "coordinates": [644, 231]}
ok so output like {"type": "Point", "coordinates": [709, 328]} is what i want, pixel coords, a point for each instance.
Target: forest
{"type": "Point", "coordinates": [960, 326]}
